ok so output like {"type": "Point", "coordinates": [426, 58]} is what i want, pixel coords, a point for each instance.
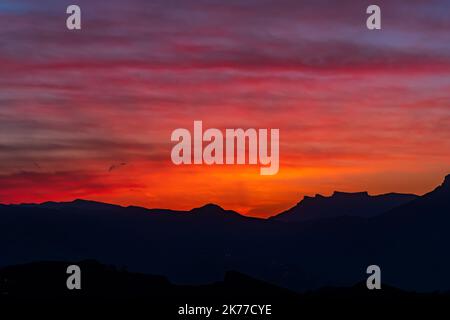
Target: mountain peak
{"type": "Point", "coordinates": [444, 188]}
{"type": "Point", "coordinates": [77, 204]}
{"type": "Point", "coordinates": [211, 209]}
{"type": "Point", "coordinates": [210, 206]}
{"type": "Point", "coordinates": [357, 204]}
{"type": "Point", "coordinates": [83, 201]}
{"type": "Point", "coordinates": [208, 209]}
{"type": "Point", "coordinates": [446, 182]}
{"type": "Point", "coordinates": [350, 194]}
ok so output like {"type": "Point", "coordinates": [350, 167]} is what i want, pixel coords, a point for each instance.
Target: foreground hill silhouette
{"type": "Point", "coordinates": [106, 287]}
{"type": "Point", "coordinates": [409, 242]}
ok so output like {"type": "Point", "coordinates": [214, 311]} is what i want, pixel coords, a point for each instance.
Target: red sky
{"type": "Point", "coordinates": [357, 109]}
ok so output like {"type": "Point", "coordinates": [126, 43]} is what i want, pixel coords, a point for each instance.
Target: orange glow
{"type": "Point", "coordinates": [90, 114]}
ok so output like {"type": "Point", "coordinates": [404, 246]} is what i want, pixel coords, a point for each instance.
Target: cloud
{"type": "Point", "coordinates": [29, 186]}
{"type": "Point", "coordinates": [343, 97]}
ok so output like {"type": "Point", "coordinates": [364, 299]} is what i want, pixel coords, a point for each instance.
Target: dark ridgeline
{"type": "Point", "coordinates": [408, 241]}
{"type": "Point", "coordinates": [47, 280]}
{"type": "Point", "coordinates": [358, 204]}
{"type": "Point", "coordinates": [108, 290]}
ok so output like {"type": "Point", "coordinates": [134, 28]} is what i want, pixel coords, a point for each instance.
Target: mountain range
{"type": "Point", "coordinates": [134, 294]}
{"type": "Point", "coordinates": [358, 204]}
{"type": "Point", "coordinates": [406, 235]}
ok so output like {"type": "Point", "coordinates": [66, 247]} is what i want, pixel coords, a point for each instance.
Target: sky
{"type": "Point", "coordinates": [89, 114]}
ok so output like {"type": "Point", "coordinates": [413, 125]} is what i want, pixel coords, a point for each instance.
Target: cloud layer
{"type": "Point", "coordinates": [353, 105]}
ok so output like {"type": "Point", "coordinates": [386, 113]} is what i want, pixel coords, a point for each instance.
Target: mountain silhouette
{"type": "Point", "coordinates": [107, 290]}
{"type": "Point", "coordinates": [211, 210]}
{"type": "Point", "coordinates": [47, 280]}
{"type": "Point", "coordinates": [409, 241]}
{"type": "Point", "coordinates": [359, 204]}
{"type": "Point", "coordinates": [417, 239]}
